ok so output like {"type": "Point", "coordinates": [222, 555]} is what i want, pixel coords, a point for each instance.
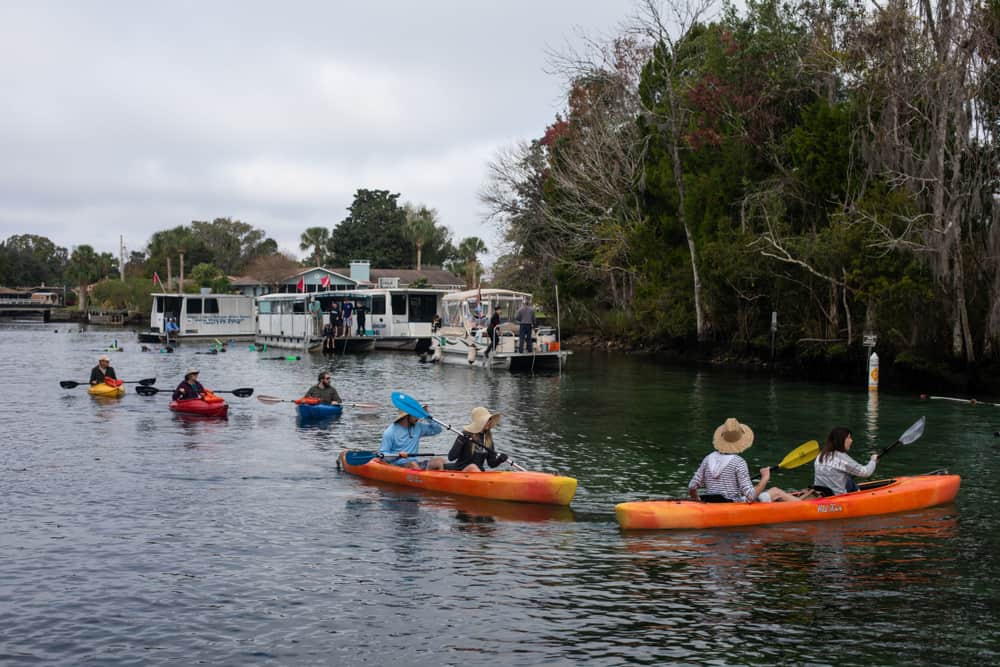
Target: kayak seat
{"type": "Point", "coordinates": [714, 498]}
{"type": "Point", "coordinates": [823, 491]}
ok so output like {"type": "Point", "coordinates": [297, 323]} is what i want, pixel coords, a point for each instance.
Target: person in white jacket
{"type": "Point", "coordinates": [835, 469]}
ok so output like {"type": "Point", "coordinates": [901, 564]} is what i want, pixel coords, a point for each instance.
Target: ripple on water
{"type": "Point", "coordinates": [131, 536]}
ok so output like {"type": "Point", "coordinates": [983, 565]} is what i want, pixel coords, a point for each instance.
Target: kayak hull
{"type": "Point", "coordinates": [200, 408]}
{"type": "Point", "coordinates": [106, 391]}
{"type": "Point", "coordinates": [880, 497]}
{"type": "Point", "coordinates": [318, 411]}
{"type": "Point", "coordinates": [517, 486]}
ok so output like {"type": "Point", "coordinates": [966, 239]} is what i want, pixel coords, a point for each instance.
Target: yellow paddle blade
{"type": "Point", "coordinates": [802, 454]}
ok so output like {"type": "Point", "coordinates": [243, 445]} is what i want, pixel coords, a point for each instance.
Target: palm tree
{"type": "Point", "coordinates": [317, 238]}
{"type": "Point", "coordinates": [468, 251]}
{"type": "Point", "coordinates": [83, 268]}
{"type": "Point", "coordinates": [421, 227]}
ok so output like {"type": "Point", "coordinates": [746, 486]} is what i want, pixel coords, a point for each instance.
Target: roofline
{"type": "Point", "coordinates": [489, 291]}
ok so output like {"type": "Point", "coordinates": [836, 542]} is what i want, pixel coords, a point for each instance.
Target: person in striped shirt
{"type": "Point", "coordinates": [835, 469]}
{"type": "Point", "coordinates": [724, 474]}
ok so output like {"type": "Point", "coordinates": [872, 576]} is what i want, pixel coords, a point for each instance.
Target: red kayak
{"type": "Point", "coordinates": [196, 406]}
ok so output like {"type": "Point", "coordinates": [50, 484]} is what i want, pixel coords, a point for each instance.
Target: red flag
{"type": "Point", "coordinates": [301, 287]}
{"type": "Point", "coordinates": [156, 278]}
{"type": "Point", "coordinates": [325, 281]}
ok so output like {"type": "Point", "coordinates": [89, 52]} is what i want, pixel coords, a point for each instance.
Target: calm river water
{"type": "Point", "coordinates": [131, 536]}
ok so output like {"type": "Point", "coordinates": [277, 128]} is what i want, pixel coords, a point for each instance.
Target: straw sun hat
{"type": "Point", "coordinates": [480, 418]}
{"type": "Point", "coordinates": [732, 437]}
{"type": "Point", "coordinates": [191, 371]}
{"type": "Point", "coordinates": [104, 357]}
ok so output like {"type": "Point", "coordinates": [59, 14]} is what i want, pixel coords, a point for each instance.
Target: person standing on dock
{"type": "Point", "coordinates": [402, 439]}
{"type": "Point", "coordinates": [491, 331]}
{"type": "Point", "coordinates": [335, 318]}
{"type": "Point", "coordinates": [359, 309]}
{"type": "Point", "coordinates": [525, 319]}
{"type": "Point", "coordinates": [347, 312]}
{"type": "Point", "coordinates": [103, 371]}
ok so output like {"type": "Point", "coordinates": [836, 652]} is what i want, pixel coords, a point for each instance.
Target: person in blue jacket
{"type": "Point", "coordinates": [402, 439]}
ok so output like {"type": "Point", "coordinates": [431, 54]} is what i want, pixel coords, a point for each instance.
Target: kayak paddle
{"type": "Point", "coordinates": [275, 399]}
{"type": "Point", "coordinates": [357, 457]}
{"type": "Point", "coordinates": [411, 406]}
{"type": "Point", "coordinates": [801, 455]}
{"type": "Point", "coordinates": [69, 384]}
{"type": "Point", "coordinates": [242, 392]}
{"type": "Point", "coordinates": [909, 435]}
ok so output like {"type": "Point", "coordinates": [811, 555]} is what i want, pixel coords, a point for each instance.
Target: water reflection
{"type": "Point", "coordinates": [466, 508]}
{"type": "Point", "coordinates": [853, 555]}
{"type": "Point", "coordinates": [871, 417]}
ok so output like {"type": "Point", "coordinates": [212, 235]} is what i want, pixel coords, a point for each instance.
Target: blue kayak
{"type": "Point", "coordinates": [319, 410]}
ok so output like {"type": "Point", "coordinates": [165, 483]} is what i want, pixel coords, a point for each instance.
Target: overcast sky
{"type": "Point", "coordinates": [132, 117]}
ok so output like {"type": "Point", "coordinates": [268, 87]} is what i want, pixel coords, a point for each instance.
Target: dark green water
{"type": "Point", "coordinates": [131, 536]}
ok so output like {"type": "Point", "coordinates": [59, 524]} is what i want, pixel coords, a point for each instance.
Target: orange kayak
{"type": "Point", "coordinates": [524, 487]}
{"type": "Point", "coordinates": [878, 497]}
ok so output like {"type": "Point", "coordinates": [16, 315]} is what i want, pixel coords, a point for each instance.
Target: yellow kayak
{"type": "Point", "coordinates": [106, 391]}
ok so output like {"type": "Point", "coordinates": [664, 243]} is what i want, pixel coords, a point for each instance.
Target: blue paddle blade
{"type": "Point", "coordinates": [409, 405]}
{"type": "Point", "coordinates": [359, 458]}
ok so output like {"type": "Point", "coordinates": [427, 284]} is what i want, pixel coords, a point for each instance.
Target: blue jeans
{"type": "Point", "coordinates": [524, 338]}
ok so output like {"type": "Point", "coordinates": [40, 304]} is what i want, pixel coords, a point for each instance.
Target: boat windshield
{"type": "Point", "coordinates": [474, 312]}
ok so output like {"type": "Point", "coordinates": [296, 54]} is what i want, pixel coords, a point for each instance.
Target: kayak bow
{"type": "Point", "coordinates": [201, 408]}
{"type": "Point", "coordinates": [525, 487]}
{"type": "Point", "coordinates": [106, 391]}
{"type": "Point", "coordinates": [318, 410]}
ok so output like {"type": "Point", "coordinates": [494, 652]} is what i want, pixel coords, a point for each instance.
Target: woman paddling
{"type": "Point", "coordinates": [474, 448]}
{"type": "Point", "coordinates": [835, 469]}
{"type": "Point", "coordinates": [724, 474]}
{"type": "Point", "coordinates": [190, 388]}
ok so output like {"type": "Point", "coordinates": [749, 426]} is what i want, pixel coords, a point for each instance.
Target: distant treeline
{"type": "Point", "coordinates": [833, 162]}
{"type": "Point", "coordinates": [375, 228]}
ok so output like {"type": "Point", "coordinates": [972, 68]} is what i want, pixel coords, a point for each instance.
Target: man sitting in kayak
{"type": "Point", "coordinates": [190, 388]}
{"type": "Point", "coordinates": [402, 438]}
{"type": "Point", "coordinates": [724, 474]}
{"type": "Point", "coordinates": [323, 390]}
{"type": "Point", "coordinates": [473, 449]}
{"type": "Point", "coordinates": [103, 372]}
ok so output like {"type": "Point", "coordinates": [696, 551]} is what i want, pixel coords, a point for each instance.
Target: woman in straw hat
{"type": "Point", "coordinates": [724, 474]}
{"type": "Point", "coordinates": [402, 440]}
{"type": "Point", "coordinates": [190, 388]}
{"type": "Point", "coordinates": [103, 371]}
{"type": "Point", "coordinates": [473, 450]}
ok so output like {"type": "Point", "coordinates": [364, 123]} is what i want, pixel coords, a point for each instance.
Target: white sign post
{"type": "Point", "coordinates": [872, 362]}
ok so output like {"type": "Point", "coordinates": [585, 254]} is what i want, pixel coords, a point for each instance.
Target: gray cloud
{"type": "Point", "coordinates": [126, 118]}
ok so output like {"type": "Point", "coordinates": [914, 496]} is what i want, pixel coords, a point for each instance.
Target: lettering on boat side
{"type": "Point", "coordinates": [414, 478]}
{"type": "Point", "coordinates": [829, 507]}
